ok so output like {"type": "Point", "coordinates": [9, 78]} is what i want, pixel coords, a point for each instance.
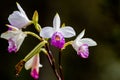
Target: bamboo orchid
{"type": "Point", "coordinates": [81, 45]}
{"type": "Point", "coordinates": [34, 64]}
{"type": "Point", "coordinates": [19, 18]}
{"type": "Point", "coordinates": [15, 38]}
{"type": "Point", "coordinates": [56, 33]}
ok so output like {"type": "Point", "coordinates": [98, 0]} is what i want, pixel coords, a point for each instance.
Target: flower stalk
{"type": "Point", "coordinates": [33, 34]}
{"type": "Point", "coordinates": [60, 65]}
{"type": "Point", "coordinates": [35, 50]}
{"type": "Point", "coordinates": [52, 61]}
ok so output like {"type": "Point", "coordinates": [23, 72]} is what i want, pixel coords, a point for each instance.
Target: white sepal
{"type": "Point", "coordinates": [29, 63]}
{"type": "Point", "coordinates": [56, 22]}
{"type": "Point", "coordinates": [47, 32]}
{"type": "Point", "coordinates": [80, 35]}
{"type": "Point", "coordinates": [88, 41]}
{"type": "Point", "coordinates": [67, 31]}
{"type": "Point", "coordinates": [18, 18]}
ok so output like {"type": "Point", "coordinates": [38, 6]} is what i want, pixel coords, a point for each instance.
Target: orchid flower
{"type": "Point", "coordinates": [14, 35]}
{"type": "Point", "coordinates": [81, 45]}
{"type": "Point", "coordinates": [15, 38]}
{"type": "Point", "coordinates": [19, 18]}
{"type": "Point", "coordinates": [34, 64]}
{"type": "Point", "coordinates": [56, 33]}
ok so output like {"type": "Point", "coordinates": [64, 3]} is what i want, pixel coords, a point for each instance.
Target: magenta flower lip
{"type": "Point", "coordinates": [12, 46]}
{"type": "Point", "coordinates": [83, 51]}
{"type": "Point", "coordinates": [34, 74]}
{"type": "Point", "coordinates": [57, 40]}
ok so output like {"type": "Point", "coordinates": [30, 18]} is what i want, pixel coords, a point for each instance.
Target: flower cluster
{"type": "Point", "coordinates": [15, 35]}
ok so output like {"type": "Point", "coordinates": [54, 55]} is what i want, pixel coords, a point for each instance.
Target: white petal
{"type": "Point", "coordinates": [68, 31]}
{"type": "Point", "coordinates": [20, 8]}
{"type": "Point", "coordinates": [56, 22]}
{"type": "Point", "coordinates": [20, 39]}
{"type": "Point", "coordinates": [75, 45]}
{"type": "Point", "coordinates": [9, 34]}
{"type": "Point", "coordinates": [22, 11]}
{"type": "Point", "coordinates": [88, 41]}
{"type": "Point", "coordinates": [40, 65]}
{"type": "Point", "coordinates": [47, 32]}
{"type": "Point", "coordinates": [12, 28]}
{"type": "Point", "coordinates": [36, 61]}
{"type": "Point", "coordinates": [33, 63]}
{"type": "Point", "coordinates": [29, 63]}
{"type": "Point", "coordinates": [80, 35]}
{"type": "Point", "coordinates": [18, 20]}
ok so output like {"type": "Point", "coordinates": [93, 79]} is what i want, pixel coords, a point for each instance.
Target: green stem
{"type": "Point", "coordinates": [35, 50]}
{"type": "Point", "coordinates": [33, 34]}
{"type": "Point", "coordinates": [37, 27]}
{"type": "Point", "coordinates": [66, 44]}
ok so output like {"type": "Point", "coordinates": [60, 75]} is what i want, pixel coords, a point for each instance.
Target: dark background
{"type": "Point", "coordinates": [100, 18]}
